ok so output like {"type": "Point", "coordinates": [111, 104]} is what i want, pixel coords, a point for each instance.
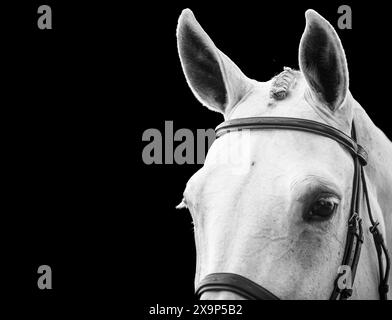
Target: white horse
{"type": "Point", "coordinates": [276, 209]}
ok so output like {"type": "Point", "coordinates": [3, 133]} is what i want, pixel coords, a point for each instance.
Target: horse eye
{"type": "Point", "coordinates": [323, 208]}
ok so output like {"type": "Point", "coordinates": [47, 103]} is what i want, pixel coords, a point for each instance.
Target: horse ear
{"type": "Point", "coordinates": [323, 62]}
{"type": "Point", "coordinates": [213, 78]}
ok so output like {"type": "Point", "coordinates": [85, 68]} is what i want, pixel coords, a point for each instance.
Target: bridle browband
{"type": "Point", "coordinates": [251, 290]}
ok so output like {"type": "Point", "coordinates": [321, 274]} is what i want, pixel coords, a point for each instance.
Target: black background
{"type": "Point", "coordinates": [76, 101]}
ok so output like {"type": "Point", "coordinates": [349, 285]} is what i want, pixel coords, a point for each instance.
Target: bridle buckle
{"type": "Point", "coordinates": [355, 226]}
{"type": "Point", "coordinates": [374, 228]}
{"type": "Point", "coordinates": [355, 217]}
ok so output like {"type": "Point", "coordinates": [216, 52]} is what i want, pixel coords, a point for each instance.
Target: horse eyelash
{"type": "Point", "coordinates": [182, 205]}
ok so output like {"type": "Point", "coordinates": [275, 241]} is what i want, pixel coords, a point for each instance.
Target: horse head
{"type": "Point", "coordinates": [273, 205]}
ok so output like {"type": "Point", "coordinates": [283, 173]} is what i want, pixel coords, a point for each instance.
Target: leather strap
{"type": "Point", "coordinates": [279, 123]}
{"type": "Point", "coordinates": [234, 283]}
{"type": "Point", "coordinates": [381, 248]}
{"type": "Point", "coordinates": [354, 237]}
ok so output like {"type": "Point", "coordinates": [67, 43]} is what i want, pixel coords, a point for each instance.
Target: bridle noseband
{"type": "Point", "coordinates": [251, 290]}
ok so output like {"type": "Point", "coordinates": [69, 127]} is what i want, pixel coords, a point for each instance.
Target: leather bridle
{"type": "Point", "coordinates": [251, 290]}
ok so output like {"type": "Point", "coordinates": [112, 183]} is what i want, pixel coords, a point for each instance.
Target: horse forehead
{"type": "Point", "coordinates": [261, 102]}
{"type": "Point", "coordinates": [235, 156]}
